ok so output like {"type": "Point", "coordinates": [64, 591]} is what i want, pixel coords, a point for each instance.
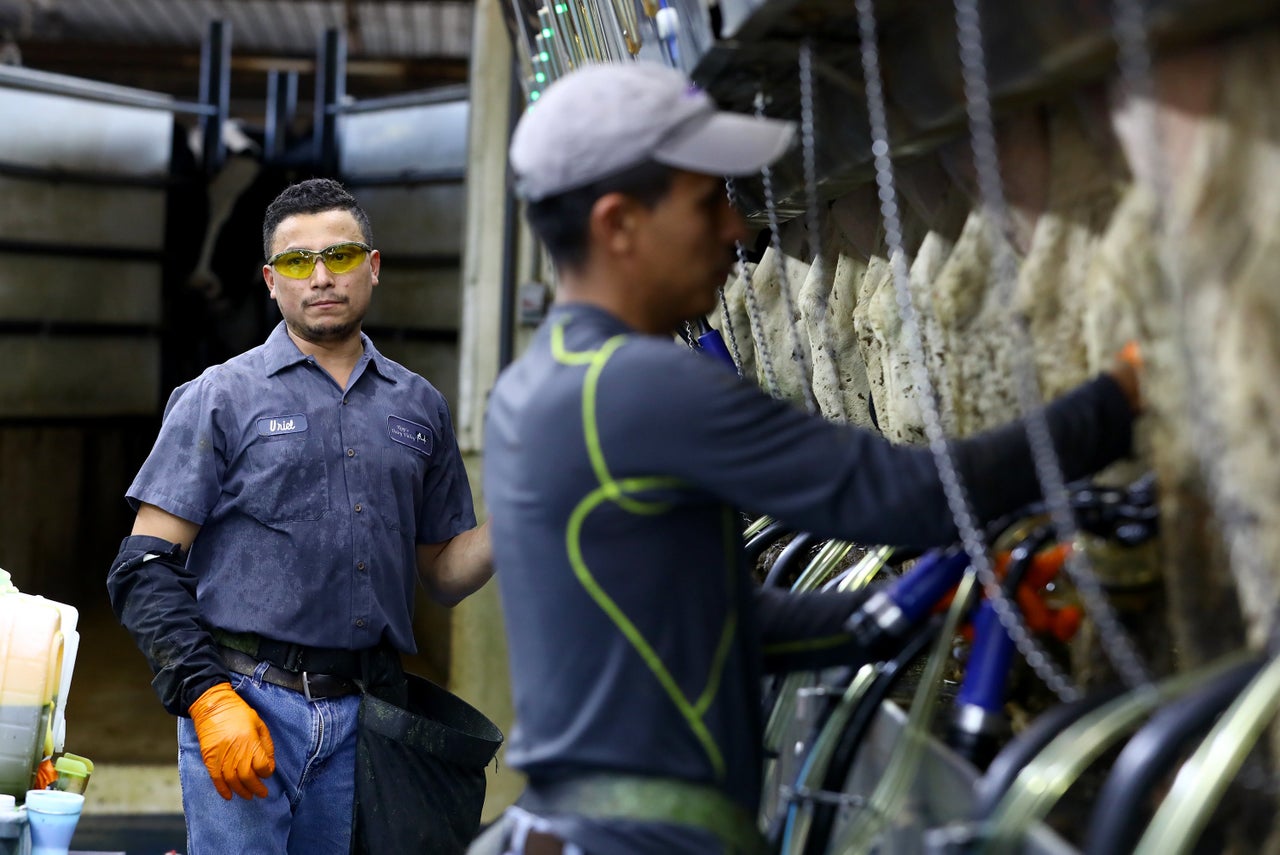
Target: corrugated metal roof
{"type": "Point", "coordinates": [391, 46]}
{"type": "Point", "coordinates": [376, 29]}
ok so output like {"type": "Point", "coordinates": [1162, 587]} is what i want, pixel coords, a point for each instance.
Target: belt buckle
{"type": "Point", "coordinates": [306, 688]}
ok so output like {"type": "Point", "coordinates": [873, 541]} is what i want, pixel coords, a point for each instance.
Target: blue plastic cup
{"type": "Point", "coordinates": [51, 818]}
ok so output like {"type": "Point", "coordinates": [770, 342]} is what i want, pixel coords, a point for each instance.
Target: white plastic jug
{"type": "Point", "coordinates": [31, 673]}
{"type": "Point", "coordinates": [70, 647]}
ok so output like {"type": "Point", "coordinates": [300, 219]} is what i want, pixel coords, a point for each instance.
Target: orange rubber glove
{"type": "Point", "coordinates": [45, 774]}
{"type": "Point", "coordinates": [1127, 371]}
{"type": "Point", "coordinates": [234, 743]}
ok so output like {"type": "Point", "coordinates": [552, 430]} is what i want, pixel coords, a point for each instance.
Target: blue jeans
{"type": "Point", "coordinates": [311, 796]}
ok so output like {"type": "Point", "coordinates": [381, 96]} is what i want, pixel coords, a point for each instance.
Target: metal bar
{"type": "Point", "coordinates": [282, 103]}
{"type": "Point", "coordinates": [330, 89]}
{"type": "Point", "coordinates": [74, 87]}
{"type": "Point", "coordinates": [97, 179]}
{"type": "Point", "coordinates": [442, 95]}
{"type": "Point", "coordinates": [408, 178]}
{"type": "Point", "coordinates": [510, 239]}
{"type": "Point", "coordinates": [215, 91]}
{"type": "Point", "coordinates": [570, 24]}
{"type": "Point", "coordinates": [76, 329]}
{"type": "Point", "coordinates": [106, 253]}
{"type": "Point", "coordinates": [598, 40]}
{"type": "Point", "coordinates": [376, 2]}
{"type": "Point", "coordinates": [554, 38]}
{"type": "Point", "coordinates": [611, 26]}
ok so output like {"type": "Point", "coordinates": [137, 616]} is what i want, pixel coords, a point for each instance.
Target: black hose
{"type": "Point", "coordinates": [842, 759]}
{"type": "Point", "coordinates": [763, 539]}
{"type": "Point", "coordinates": [790, 554]}
{"type": "Point", "coordinates": [1115, 825]}
{"type": "Point", "coordinates": [1023, 748]}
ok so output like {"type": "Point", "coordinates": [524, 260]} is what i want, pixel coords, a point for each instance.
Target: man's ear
{"type": "Point", "coordinates": [613, 221]}
{"type": "Point", "coordinates": [268, 276]}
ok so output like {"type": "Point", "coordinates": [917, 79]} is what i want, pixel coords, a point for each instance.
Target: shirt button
{"type": "Point", "coordinates": [360, 565]}
{"type": "Point", "coordinates": [359, 507]}
{"type": "Point", "coordinates": [351, 452]}
{"type": "Point", "coordinates": [359, 621]}
{"type": "Point", "coordinates": [344, 402]}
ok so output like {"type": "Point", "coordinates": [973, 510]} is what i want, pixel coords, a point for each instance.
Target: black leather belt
{"type": "Point", "coordinates": [295, 657]}
{"type": "Point", "coordinates": [311, 686]}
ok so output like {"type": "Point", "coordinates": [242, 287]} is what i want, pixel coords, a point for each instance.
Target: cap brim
{"type": "Point", "coordinates": [727, 144]}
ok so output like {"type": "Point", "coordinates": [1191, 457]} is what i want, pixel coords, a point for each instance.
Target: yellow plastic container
{"type": "Point", "coordinates": [31, 647]}
{"type": "Point", "coordinates": [74, 772]}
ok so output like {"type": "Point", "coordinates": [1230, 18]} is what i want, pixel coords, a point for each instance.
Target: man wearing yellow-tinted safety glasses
{"type": "Point", "coordinates": [295, 496]}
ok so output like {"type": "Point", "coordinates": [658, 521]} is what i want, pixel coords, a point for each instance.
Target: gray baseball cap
{"type": "Point", "coordinates": [603, 118]}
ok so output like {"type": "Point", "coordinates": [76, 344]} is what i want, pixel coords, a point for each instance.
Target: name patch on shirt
{"type": "Point", "coordinates": [412, 434]}
{"type": "Point", "coordinates": [282, 424]}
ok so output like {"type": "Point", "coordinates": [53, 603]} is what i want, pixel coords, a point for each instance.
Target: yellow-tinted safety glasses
{"type": "Point", "coordinates": [301, 263]}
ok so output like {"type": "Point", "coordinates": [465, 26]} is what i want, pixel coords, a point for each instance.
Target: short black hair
{"type": "Point", "coordinates": [561, 221]}
{"type": "Point", "coordinates": [313, 196]}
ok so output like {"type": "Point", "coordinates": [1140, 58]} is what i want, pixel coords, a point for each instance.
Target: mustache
{"type": "Point", "coordinates": [334, 298]}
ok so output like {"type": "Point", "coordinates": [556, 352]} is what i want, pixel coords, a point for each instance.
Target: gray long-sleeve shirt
{"type": "Point", "coordinates": [615, 465]}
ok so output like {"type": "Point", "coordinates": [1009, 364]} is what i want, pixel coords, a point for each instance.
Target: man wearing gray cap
{"type": "Point", "coordinates": [616, 460]}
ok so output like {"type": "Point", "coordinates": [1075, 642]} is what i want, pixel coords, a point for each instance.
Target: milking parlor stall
{"type": "Point", "coordinates": [986, 203]}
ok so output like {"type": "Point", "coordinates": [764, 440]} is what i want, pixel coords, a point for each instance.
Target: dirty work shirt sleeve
{"type": "Point", "coordinates": [155, 598]}
{"type": "Point", "coordinates": [689, 418]}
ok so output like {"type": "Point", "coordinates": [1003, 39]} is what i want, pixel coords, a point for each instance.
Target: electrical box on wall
{"type": "Point", "coordinates": [534, 298]}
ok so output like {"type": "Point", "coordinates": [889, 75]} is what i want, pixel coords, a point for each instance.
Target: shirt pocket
{"type": "Point", "coordinates": [403, 473]}
{"type": "Point", "coordinates": [286, 479]}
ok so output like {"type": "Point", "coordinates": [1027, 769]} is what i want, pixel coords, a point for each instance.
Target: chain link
{"type": "Point", "coordinates": [808, 143]}
{"type": "Point", "coordinates": [753, 306]}
{"type": "Point", "coordinates": [808, 146]}
{"type": "Point", "coordinates": [1116, 643]}
{"type": "Point", "coordinates": [957, 498]}
{"type": "Point", "coordinates": [775, 240]}
{"type": "Point", "coordinates": [728, 329]}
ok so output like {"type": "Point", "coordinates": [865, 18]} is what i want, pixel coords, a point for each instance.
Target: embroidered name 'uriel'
{"type": "Point", "coordinates": [275, 425]}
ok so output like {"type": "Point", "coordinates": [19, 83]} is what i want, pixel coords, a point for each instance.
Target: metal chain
{"type": "Point", "coordinates": [1129, 28]}
{"type": "Point", "coordinates": [728, 328]}
{"type": "Point", "coordinates": [775, 240]}
{"type": "Point", "coordinates": [1116, 643]}
{"type": "Point", "coordinates": [957, 498]}
{"type": "Point", "coordinates": [753, 307]}
{"type": "Point", "coordinates": [809, 148]}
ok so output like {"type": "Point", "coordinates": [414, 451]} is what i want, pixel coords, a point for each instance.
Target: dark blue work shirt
{"type": "Point", "coordinates": [311, 499]}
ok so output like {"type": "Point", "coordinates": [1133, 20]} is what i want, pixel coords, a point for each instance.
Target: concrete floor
{"type": "Point", "coordinates": [145, 834]}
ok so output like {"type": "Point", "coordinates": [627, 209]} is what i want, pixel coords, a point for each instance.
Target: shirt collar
{"type": "Point", "coordinates": [281, 352]}
{"type": "Point", "coordinates": [591, 314]}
